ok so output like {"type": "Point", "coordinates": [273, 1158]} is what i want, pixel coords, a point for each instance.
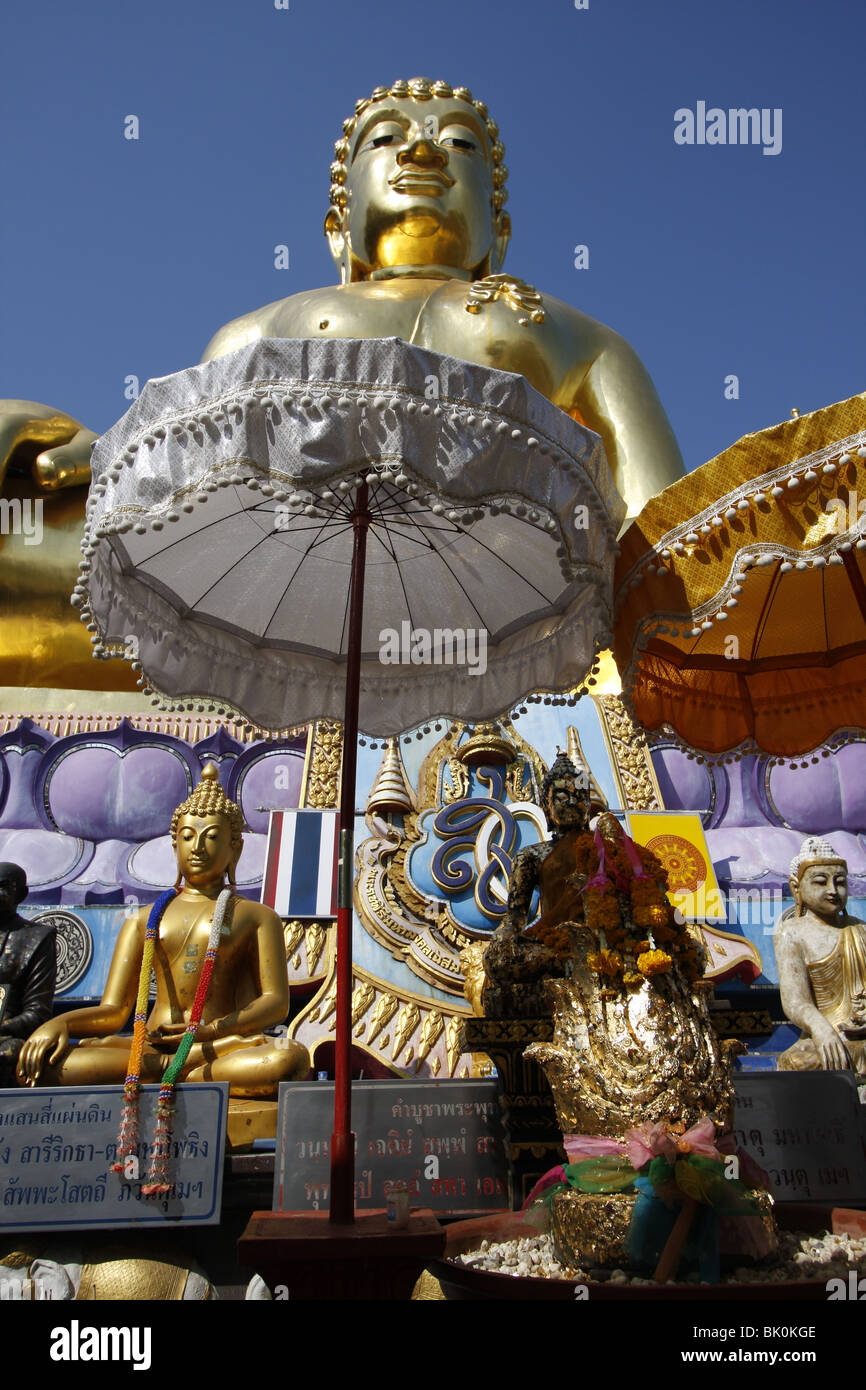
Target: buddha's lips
{"type": "Point", "coordinates": [420, 180]}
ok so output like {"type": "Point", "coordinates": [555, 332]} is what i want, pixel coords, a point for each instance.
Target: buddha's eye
{"type": "Point", "coordinates": [457, 138]}
{"type": "Point", "coordinates": [383, 136]}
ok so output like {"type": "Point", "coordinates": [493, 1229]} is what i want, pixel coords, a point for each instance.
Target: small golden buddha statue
{"type": "Point", "coordinates": [248, 990]}
{"type": "Point", "coordinates": [821, 956]}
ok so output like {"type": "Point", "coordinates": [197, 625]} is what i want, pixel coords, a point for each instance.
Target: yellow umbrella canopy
{"type": "Point", "coordinates": [741, 591]}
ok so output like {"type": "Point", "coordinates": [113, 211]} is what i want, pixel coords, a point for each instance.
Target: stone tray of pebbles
{"type": "Point", "coordinates": [504, 1257]}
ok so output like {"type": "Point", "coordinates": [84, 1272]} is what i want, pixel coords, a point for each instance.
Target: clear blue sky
{"type": "Point", "coordinates": [123, 257]}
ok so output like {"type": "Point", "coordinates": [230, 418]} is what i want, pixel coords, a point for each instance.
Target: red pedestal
{"type": "Point", "coordinates": [312, 1257]}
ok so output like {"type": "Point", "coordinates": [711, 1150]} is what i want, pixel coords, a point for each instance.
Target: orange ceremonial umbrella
{"type": "Point", "coordinates": [741, 591]}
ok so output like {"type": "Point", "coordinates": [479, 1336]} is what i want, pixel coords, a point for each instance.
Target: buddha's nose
{"type": "Point", "coordinates": [421, 150]}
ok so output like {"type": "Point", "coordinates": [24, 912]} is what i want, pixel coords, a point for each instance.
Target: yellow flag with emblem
{"type": "Point", "coordinates": [677, 839]}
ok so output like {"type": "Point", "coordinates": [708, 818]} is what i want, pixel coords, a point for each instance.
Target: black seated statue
{"type": "Point", "coordinates": [28, 971]}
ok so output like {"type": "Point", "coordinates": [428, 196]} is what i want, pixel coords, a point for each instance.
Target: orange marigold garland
{"type": "Point", "coordinates": [605, 962]}
{"type": "Point", "coordinates": [555, 938]}
{"type": "Point", "coordinates": [651, 963]}
{"type": "Point", "coordinates": [626, 904]}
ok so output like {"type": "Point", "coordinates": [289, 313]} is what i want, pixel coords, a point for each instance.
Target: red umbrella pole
{"type": "Point", "coordinates": [342, 1207]}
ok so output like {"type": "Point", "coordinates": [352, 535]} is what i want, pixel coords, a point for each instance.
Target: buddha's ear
{"type": "Point", "coordinates": [794, 885]}
{"type": "Point", "coordinates": [233, 862]}
{"type": "Point", "coordinates": [338, 242]}
{"type": "Point", "coordinates": [501, 238]}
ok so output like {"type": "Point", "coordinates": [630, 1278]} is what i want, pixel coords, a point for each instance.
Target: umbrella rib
{"type": "Point", "coordinates": [390, 547]}
{"type": "Point", "coordinates": [856, 581]}
{"type": "Point", "coordinates": [764, 615]}
{"type": "Point", "coordinates": [508, 565]}
{"type": "Point", "coordinates": [203, 595]}
{"type": "Point", "coordinates": [294, 576]}
{"type": "Point", "coordinates": [460, 531]}
{"type": "Point", "coordinates": [462, 586]}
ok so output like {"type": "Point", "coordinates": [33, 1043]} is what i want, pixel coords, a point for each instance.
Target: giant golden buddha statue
{"type": "Point", "coordinates": [418, 229]}
{"type": "Point", "coordinates": [248, 990]}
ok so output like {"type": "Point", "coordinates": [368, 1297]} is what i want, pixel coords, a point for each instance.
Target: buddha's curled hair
{"type": "Point", "coordinates": [209, 799]}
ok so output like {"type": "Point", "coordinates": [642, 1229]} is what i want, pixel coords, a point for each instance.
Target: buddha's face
{"type": "Point", "coordinates": [420, 192]}
{"type": "Point", "coordinates": [823, 890]}
{"type": "Point", "coordinates": [204, 849]}
{"type": "Point", "coordinates": [566, 806]}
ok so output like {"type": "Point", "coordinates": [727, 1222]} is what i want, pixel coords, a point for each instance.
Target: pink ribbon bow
{"type": "Point", "coordinates": [650, 1141]}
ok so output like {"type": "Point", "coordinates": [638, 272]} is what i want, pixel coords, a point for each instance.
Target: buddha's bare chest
{"type": "Point", "coordinates": [183, 940]}
{"type": "Point", "coordinates": [434, 317]}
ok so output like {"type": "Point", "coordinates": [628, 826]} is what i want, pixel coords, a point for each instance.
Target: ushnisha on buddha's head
{"type": "Point", "coordinates": [418, 186]}
{"type": "Point", "coordinates": [819, 881]}
{"type": "Point", "coordinates": [206, 835]}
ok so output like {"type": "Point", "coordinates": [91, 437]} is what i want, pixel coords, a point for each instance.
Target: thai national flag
{"type": "Point", "coordinates": [300, 877]}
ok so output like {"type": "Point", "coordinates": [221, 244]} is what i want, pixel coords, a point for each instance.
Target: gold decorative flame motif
{"type": "Point", "coordinates": [293, 932]}
{"type": "Point", "coordinates": [433, 1026]}
{"type": "Point", "coordinates": [327, 1005]}
{"type": "Point", "coordinates": [384, 1011]}
{"type": "Point", "coordinates": [458, 787]}
{"type": "Point", "coordinates": [453, 1041]}
{"type": "Point", "coordinates": [408, 1021]}
{"type": "Point", "coordinates": [361, 1000]}
{"type": "Point", "coordinates": [314, 940]}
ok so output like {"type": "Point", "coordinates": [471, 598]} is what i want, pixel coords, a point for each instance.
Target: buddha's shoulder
{"type": "Point", "coordinates": [247, 913]}
{"type": "Point", "coordinates": [814, 937]}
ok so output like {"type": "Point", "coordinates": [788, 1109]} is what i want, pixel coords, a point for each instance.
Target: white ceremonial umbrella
{"type": "Point", "coordinates": [224, 549]}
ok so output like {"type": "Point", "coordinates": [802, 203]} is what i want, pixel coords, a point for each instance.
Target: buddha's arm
{"type": "Point", "coordinates": [49, 1041]}
{"type": "Point", "coordinates": [798, 1002]}
{"type": "Point", "coordinates": [272, 1002]}
{"type": "Point", "coordinates": [617, 399]}
{"type": "Point", "coordinates": [521, 886]}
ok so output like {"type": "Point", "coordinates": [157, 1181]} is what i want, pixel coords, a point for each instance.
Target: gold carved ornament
{"type": "Point", "coordinates": [629, 755]}
{"type": "Point", "coordinates": [422, 1031]}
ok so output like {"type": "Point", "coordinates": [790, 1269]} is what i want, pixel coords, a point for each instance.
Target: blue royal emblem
{"type": "Point", "coordinates": [467, 849]}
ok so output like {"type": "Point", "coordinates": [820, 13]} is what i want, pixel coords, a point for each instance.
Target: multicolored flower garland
{"type": "Point", "coordinates": [626, 905]}
{"type": "Point", "coordinates": [625, 893]}
{"type": "Point", "coordinates": [157, 1180]}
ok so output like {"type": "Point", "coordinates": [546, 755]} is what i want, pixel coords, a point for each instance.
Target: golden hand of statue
{"type": "Point", "coordinates": [61, 444]}
{"type": "Point", "coordinates": [47, 1043]}
{"type": "Point", "coordinates": [168, 1035]}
